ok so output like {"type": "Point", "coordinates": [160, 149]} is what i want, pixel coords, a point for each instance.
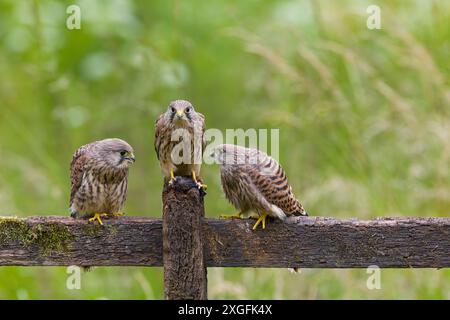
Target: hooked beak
{"type": "Point", "coordinates": [180, 114]}
{"type": "Point", "coordinates": [131, 158]}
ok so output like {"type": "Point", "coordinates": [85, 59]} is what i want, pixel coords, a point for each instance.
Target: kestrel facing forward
{"type": "Point", "coordinates": [179, 141]}
{"type": "Point", "coordinates": [99, 177]}
{"type": "Point", "coordinates": [254, 182]}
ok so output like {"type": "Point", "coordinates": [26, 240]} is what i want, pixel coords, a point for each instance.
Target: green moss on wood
{"type": "Point", "coordinates": [96, 230]}
{"type": "Point", "coordinates": [112, 229]}
{"type": "Point", "coordinates": [48, 236]}
{"type": "Point", "coordinates": [53, 237]}
{"type": "Point", "coordinates": [13, 229]}
{"type": "Point", "coordinates": [92, 230]}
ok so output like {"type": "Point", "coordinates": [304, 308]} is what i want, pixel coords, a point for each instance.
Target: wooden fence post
{"type": "Point", "coordinates": [184, 265]}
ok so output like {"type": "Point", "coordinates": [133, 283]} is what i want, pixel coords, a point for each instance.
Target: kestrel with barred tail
{"type": "Point", "coordinates": [99, 177]}
{"type": "Point", "coordinates": [255, 182]}
{"type": "Point", "coordinates": [179, 141]}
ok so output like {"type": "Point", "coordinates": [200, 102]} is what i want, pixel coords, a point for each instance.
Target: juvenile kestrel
{"type": "Point", "coordinates": [254, 182]}
{"type": "Point", "coordinates": [99, 177]}
{"type": "Point", "coordinates": [179, 141]}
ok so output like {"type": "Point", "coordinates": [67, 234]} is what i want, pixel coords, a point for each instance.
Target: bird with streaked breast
{"type": "Point", "coordinates": [255, 182]}
{"type": "Point", "coordinates": [99, 179]}
{"type": "Point", "coordinates": [179, 141]}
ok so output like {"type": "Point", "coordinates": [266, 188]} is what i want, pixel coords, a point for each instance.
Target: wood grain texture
{"type": "Point", "coordinates": [312, 242]}
{"type": "Point", "coordinates": [307, 242]}
{"type": "Point", "coordinates": [124, 241]}
{"type": "Point", "coordinates": [183, 216]}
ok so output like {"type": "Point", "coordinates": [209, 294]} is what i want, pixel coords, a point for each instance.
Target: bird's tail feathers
{"type": "Point", "coordinates": [295, 270]}
{"type": "Point", "coordinates": [278, 212]}
{"type": "Point", "coordinates": [73, 213]}
{"type": "Point", "coordinates": [301, 213]}
{"type": "Point", "coordinates": [300, 210]}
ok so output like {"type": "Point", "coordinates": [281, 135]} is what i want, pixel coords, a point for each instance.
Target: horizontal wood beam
{"type": "Point", "coordinates": [53, 241]}
{"type": "Point", "coordinates": [307, 242]}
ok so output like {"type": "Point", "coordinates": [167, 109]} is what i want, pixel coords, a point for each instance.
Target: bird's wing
{"type": "Point", "coordinates": [77, 167]}
{"type": "Point", "coordinates": [271, 181]}
{"type": "Point", "coordinates": [159, 124]}
{"type": "Point", "coordinates": [241, 190]}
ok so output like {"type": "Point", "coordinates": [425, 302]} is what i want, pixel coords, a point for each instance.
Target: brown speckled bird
{"type": "Point", "coordinates": [99, 177]}
{"type": "Point", "coordinates": [254, 182]}
{"type": "Point", "coordinates": [179, 141]}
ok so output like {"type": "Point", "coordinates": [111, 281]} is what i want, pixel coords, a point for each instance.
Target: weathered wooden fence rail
{"type": "Point", "coordinates": [185, 243]}
{"type": "Point", "coordinates": [310, 242]}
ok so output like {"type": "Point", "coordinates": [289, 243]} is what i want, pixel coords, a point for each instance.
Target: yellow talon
{"type": "Point", "coordinates": [97, 216]}
{"type": "Point", "coordinates": [119, 214]}
{"type": "Point", "coordinates": [199, 184]}
{"type": "Point", "coordinates": [231, 216]}
{"type": "Point", "coordinates": [172, 177]}
{"type": "Point", "coordinates": [261, 218]}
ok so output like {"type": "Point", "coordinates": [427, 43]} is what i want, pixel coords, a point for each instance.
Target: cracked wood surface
{"type": "Point", "coordinates": [306, 242]}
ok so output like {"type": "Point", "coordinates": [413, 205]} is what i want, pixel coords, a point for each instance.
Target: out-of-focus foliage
{"type": "Point", "coordinates": [363, 114]}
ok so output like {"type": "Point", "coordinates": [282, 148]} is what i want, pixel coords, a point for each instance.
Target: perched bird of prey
{"type": "Point", "coordinates": [254, 182]}
{"type": "Point", "coordinates": [179, 141]}
{"type": "Point", "coordinates": [99, 177]}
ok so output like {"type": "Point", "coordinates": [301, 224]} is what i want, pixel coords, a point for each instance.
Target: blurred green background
{"type": "Point", "coordinates": [363, 114]}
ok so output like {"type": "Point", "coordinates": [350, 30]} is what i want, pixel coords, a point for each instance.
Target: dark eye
{"type": "Point", "coordinates": [123, 153]}
{"type": "Point", "coordinates": [188, 110]}
{"type": "Point", "coordinates": [173, 110]}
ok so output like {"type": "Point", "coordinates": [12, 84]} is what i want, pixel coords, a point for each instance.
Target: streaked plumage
{"type": "Point", "coordinates": [254, 182]}
{"type": "Point", "coordinates": [99, 178]}
{"type": "Point", "coordinates": [180, 115]}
